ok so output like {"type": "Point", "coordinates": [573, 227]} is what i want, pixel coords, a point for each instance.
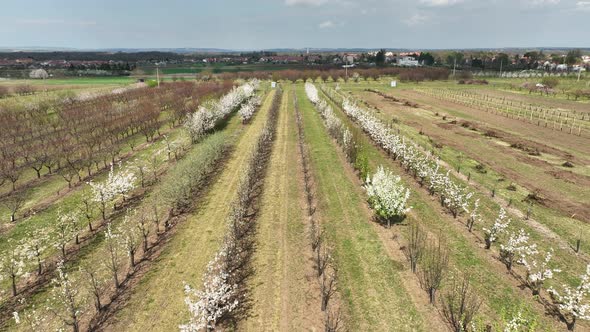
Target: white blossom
{"type": "Point", "coordinates": [114, 186]}
{"type": "Point", "coordinates": [500, 225]}
{"type": "Point", "coordinates": [573, 302]}
{"type": "Point", "coordinates": [386, 194]}
{"type": "Point", "coordinates": [208, 115]}
{"type": "Point", "coordinates": [208, 305]}
{"type": "Point", "coordinates": [538, 272]}
{"type": "Point", "coordinates": [249, 108]}
{"type": "Point", "coordinates": [517, 248]}
{"type": "Point", "coordinates": [312, 92]}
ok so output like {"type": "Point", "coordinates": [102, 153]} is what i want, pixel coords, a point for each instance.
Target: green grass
{"type": "Point", "coordinates": [369, 282]}
{"type": "Point", "coordinates": [496, 288]}
{"type": "Point", "coordinates": [184, 258]}
{"type": "Point", "coordinates": [567, 228]}
{"type": "Point", "coordinates": [70, 202]}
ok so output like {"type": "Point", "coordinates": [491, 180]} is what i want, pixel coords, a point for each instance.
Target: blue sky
{"type": "Point", "coordinates": [259, 24]}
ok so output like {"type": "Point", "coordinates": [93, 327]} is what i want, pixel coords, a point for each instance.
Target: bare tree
{"type": "Point", "coordinates": [112, 255]}
{"type": "Point", "coordinates": [14, 203]}
{"type": "Point", "coordinates": [416, 244]}
{"type": "Point", "coordinates": [434, 264]}
{"type": "Point", "coordinates": [66, 301]}
{"type": "Point", "coordinates": [460, 304]}
{"type": "Point", "coordinates": [322, 258]}
{"type": "Point", "coordinates": [333, 320]}
{"type": "Point", "coordinates": [328, 286]}
{"type": "Point", "coordinates": [143, 227]}
{"type": "Point", "coordinates": [95, 283]}
{"type": "Point", "coordinates": [315, 234]}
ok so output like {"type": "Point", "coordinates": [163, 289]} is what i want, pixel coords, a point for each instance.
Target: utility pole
{"type": "Point", "coordinates": [454, 65]}
{"type": "Point", "coordinates": [346, 66]}
{"type": "Point", "coordinates": [501, 62]}
{"type": "Point", "coordinates": [158, 74]}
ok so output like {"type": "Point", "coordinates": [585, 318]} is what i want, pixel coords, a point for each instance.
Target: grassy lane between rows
{"type": "Point", "coordinates": [284, 292]}
{"type": "Point", "coordinates": [369, 280]}
{"type": "Point", "coordinates": [499, 291]}
{"type": "Point", "coordinates": [157, 303]}
{"type": "Point", "coordinates": [548, 228]}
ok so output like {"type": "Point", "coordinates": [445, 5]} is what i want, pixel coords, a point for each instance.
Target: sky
{"type": "Point", "coordinates": [265, 24]}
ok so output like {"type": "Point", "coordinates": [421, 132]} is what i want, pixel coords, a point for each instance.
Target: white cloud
{"type": "Point", "coordinates": [326, 25]}
{"type": "Point", "coordinates": [440, 3]}
{"type": "Point", "coordinates": [583, 5]}
{"type": "Point", "coordinates": [416, 19]}
{"type": "Point", "coordinates": [305, 2]}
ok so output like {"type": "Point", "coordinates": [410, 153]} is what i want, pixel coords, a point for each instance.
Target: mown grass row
{"type": "Point", "coordinates": [462, 256]}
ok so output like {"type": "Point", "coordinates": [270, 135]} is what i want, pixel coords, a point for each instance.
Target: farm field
{"type": "Point", "coordinates": [318, 204]}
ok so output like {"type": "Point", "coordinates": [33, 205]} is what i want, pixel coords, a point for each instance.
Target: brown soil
{"type": "Point", "coordinates": [393, 240]}
{"type": "Point", "coordinates": [540, 135]}
{"type": "Point", "coordinates": [536, 99]}
{"type": "Point", "coordinates": [546, 179]}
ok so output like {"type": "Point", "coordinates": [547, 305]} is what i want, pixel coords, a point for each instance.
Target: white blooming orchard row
{"type": "Point", "coordinates": [454, 196]}
{"type": "Point", "coordinates": [209, 114]}
{"type": "Point", "coordinates": [29, 253]}
{"type": "Point", "coordinates": [575, 304]}
{"type": "Point", "coordinates": [124, 242]}
{"type": "Point", "coordinates": [223, 288]}
{"type": "Point", "coordinates": [249, 108]}
{"type": "Point", "coordinates": [387, 195]}
{"type": "Point", "coordinates": [335, 126]}
{"type": "Point", "coordinates": [312, 93]}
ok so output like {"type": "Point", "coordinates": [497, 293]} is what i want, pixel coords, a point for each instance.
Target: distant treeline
{"type": "Point", "coordinates": [94, 56]}
{"type": "Point", "coordinates": [405, 74]}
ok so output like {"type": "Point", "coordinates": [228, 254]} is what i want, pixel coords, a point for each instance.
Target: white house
{"type": "Point", "coordinates": [561, 67]}
{"type": "Point", "coordinates": [408, 61]}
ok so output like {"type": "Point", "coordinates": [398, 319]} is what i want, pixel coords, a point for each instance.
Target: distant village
{"type": "Point", "coordinates": [43, 65]}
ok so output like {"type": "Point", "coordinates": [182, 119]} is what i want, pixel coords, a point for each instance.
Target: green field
{"type": "Point", "coordinates": [192, 194]}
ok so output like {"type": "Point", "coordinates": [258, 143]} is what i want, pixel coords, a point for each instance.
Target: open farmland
{"type": "Point", "coordinates": [272, 203]}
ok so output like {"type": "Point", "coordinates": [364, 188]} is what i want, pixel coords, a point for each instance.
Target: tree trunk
{"type": "Point", "coordinates": [571, 325]}
{"type": "Point", "coordinates": [132, 258]}
{"type": "Point", "coordinates": [97, 302]}
{"type": "Point", "coordinates": [39, 265]}
{"type": "Point", "coordinates": [116, 280]}
{"type": "Point", "coordinates": [13, 285]}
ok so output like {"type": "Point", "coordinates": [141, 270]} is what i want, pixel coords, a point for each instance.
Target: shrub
{"type": "Point", "coordinates": [387, 195]}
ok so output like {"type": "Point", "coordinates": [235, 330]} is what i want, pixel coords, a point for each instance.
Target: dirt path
{"type": "Point", "coordinates": [157, 304]}
{"type": "Point", "coordinates": [283, 290]}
